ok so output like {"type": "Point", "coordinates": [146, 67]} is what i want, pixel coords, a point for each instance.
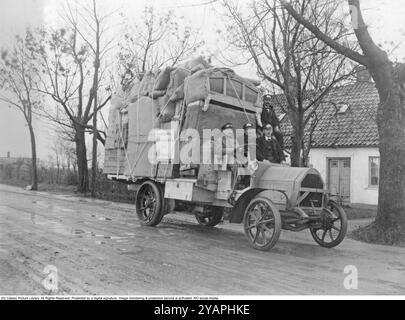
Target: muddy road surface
{"type": "Point", "coordinates": [98, 248]}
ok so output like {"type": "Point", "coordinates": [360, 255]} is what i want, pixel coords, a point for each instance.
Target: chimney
{"type": "Point", "coordinates": [362, 74]}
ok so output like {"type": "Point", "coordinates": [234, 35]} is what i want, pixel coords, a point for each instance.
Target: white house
{"type": "Point", "coordinates": [351, 173]}
{"type": "Point", "coordinates": [345, 143]}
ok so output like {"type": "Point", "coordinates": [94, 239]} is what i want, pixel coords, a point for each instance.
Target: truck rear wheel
{"type": "Point", "coordinates": [149, 204]}
{"type": "Point", "coordinates": [333, 227]}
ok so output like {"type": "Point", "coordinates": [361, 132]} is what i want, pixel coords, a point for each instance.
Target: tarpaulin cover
{"type": "Point", "coordinates": [167, 109]}
{"type": "Point", "coordinates": [175, 88]}
{"type": "Point", "coordinates": [195, 65]}
{"type": "Point", "coordinates": [142, 88]}
{"type": "Point", "coordinates": [163, 79]}
{"type": "Point", "coordinates": [114, 160]}
{"type": "Point", "coordinates": [142, 119]}
{"type": "Point", "coordinates": [214, 118]}
{"type": "Point", "coordinates": [112, 128]}
{"type": "Point", "coordinates": [196, 86]}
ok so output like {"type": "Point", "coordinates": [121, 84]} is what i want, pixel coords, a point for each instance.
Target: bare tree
{"type": "Point", "coordinates": [18, 76]}
{"type": "Point", "coordinates": [290, 59]}
{"type": "Point", "coordinates": [389, 79]}
{"type": "Point", "coordinates": [73, 63]}
{"type": "Point", "coordinates": [158, 40]}
{"type": "Point", "coordinates": [96, 79]}
{"type": "Point", "coordinates": [57, 149]}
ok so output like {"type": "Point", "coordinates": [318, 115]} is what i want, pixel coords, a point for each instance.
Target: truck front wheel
{"type": "Point", "coordinates": [262, 223]}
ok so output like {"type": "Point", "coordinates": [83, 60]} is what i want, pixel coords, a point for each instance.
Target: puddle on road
{"type": "Point", "coordinates": [101, 218]}
{"type": "Point", "coordinates": [172, 231]}
{"type": "Point", "coordinates": [53, 207]}
{"type": "Point", "coordinates": [135, 250]}
{"type": "Point", "coordinates": [52, 226]}
{"type": "Point", "coordinates": [80, 233]}
{"type": "Point", "coordinates": [118, 238]}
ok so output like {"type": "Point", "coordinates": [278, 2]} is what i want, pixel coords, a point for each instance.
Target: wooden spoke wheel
{"type": "Point", "coordinates": [333, 227]}
{"type": "Point", "coordinates": [149, 204]}
{"type": "Point", "coordinates": [262, 223]}
{"type": "Point", "coordinates": [209, 218]}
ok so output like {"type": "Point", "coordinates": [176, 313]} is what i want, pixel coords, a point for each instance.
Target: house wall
{"type": "Point", "coordinates": [360, 190]}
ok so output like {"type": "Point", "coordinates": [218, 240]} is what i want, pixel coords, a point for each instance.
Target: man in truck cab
{"type": "Point", "coordinates": [268, 147]}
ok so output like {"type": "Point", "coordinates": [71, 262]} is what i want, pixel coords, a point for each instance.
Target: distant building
{"type": "Point", "coordinates": [345, 142]}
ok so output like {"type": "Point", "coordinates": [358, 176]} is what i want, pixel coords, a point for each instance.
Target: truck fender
{"type": "Point", "coordinates": [241, 204]}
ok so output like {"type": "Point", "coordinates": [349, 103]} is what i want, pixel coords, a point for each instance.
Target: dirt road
{"type": "Point", "coordinates": [98, 247]}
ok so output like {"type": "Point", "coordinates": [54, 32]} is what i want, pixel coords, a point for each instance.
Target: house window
{"type": "Point", "coordinates": [374, 171]}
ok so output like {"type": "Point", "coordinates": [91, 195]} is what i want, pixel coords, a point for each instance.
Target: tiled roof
{"type": "Point", "coordinates": [356, 127]}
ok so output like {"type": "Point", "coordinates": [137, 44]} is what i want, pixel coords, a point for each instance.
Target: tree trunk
{"type": "Point", "coordinates": [94, 166]}
{"type": "Point", "coordinates": [295, 149]}
{"type": "Point", "coordinates": [95, 101]}
{"type": "Point", "coordinates": [297, 139]}
{"type": "Point", "coordinates": [34, 175]}
{"type": "Point", "coordinates": [82, 168]}
{"type": "Point", "coordinates": [391, 127]}
{"type": "Point", "coordinates": [57, 174]}
{"type": "Point", "coordinates": [94, 157]}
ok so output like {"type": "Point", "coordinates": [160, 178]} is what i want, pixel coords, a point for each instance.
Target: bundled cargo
{"type": "Point", "coordinates": [190, 95]}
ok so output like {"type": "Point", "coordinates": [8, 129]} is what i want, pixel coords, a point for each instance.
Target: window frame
{"type": "Point", "coordinates": [250, 88]}
{"type": "Point", "coordinates": [243, 85]}
{"type": "Point", "coordinates": [370, 161]}
{"type": "Point", "coordinates": [224, 84]}
{"type": "Point", "coordinates": [232, 89]}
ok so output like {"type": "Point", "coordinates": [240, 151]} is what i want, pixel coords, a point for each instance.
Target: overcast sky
{"type": "Point", "coordinates": [15, 16]}
{"type": "Point", "coordinates": [385, 18]}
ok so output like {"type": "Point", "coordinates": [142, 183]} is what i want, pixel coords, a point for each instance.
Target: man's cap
{"type": "Point", "coordinates": [267, 101]}
{"type": "Point", "coordinates": [227, 126]}
{"type": "Point", "coordinates": [267, 98]}
{"type": "Point", "coordinates": [268, 126]}
{"type": "Point", "coordinates": [248, 126]}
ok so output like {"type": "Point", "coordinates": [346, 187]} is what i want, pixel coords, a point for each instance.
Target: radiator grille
{"type": "Point", "coordinates": [312, 181]}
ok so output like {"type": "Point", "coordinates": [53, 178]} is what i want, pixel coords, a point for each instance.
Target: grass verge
{"type": "Point", "coordinates": [375, 234]}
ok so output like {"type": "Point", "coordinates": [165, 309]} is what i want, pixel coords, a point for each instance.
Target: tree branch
{"type": "Point", "coordinates": [351, 54]}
